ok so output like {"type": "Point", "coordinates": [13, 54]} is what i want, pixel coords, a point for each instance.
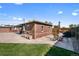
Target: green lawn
{"type": "Point", "coordinates": [57, 51]}
{"type": "Point", "coordinates": [10, 49]}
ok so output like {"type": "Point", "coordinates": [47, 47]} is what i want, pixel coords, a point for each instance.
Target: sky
{"type": "Point", "coordinates": [14, 13]}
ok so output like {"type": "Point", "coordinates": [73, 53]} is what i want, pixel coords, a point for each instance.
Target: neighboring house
{"type": "Point", "coordinates": [36, 29]}
{"type": "Point", "coordinates": [5, 29]}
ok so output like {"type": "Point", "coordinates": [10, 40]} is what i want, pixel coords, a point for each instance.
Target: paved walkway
{"type": "Point", "coordinates": [66, 43]}
{"type": "Point", "coordinates": [16, 38]}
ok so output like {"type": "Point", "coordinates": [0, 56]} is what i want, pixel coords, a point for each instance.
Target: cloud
{"type": "Point", "coordinates": [20, 18]}
{"type": "Point", "coordinates": [0, 6]}
{"type": "Point", "coordinates": [60, 12]}
{"type": "Point", "coordinates": [18, 3]}
{"type": "Point", "coordinates": [17, 18]}
{"type": "Point", "coordinates": [14, 18]}
{"type": "Point", "coordinates": [74, 13]}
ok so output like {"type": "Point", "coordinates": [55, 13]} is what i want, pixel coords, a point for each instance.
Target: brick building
{"type": "Point", "coordinates": [36, 29]}
{"type": "Point", "coordinates": [5, 29]}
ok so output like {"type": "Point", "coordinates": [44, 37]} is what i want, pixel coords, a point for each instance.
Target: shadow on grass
{"type": "Point", "coordinates": [57, 51]}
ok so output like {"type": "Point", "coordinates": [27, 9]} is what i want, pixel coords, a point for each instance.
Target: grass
{"type": "Point", "coordinates": [15, 49]}
{"type": "Point", "coordinates": [57, 51]}
{"type": "Point", "coordinates": [9, 49]}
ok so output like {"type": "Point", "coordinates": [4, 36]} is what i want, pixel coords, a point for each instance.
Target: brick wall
{"type": "Point", "coordinates": [40, 32]}
{"type": "Point", "coordinates": [3, 29]}
{"type": "Point", "coordinates": [30, 29]}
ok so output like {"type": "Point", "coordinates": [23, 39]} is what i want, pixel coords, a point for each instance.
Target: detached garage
{"type": "Point", "coordinates": [5, 29]}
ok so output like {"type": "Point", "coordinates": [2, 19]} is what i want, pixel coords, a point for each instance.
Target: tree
{"type": "Point", "coordinates": [71, 25]}
{"type": "Point", "coordinates": [46, 22]}
{"type": "Point", "coordinates": [50, 23]}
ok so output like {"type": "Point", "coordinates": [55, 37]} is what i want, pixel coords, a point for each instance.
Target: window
{"type": "Point", "coordinates": [27, 27]}
{"type": "Point", "coordinates": [42, 28]}
{"type": "Point", "coordinates": [49, 27]}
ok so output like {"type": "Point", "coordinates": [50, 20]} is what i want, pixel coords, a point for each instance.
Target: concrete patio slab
{"type": "Point", "coordinates": [16, 38]}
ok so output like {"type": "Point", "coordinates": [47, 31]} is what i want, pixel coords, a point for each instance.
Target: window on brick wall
{"type": "Point", "coordinates": [27, 27]}
{"type": "Point", "coordinates": [49, 27]}
{"type": "Point", "coordinates": [42, 28]}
